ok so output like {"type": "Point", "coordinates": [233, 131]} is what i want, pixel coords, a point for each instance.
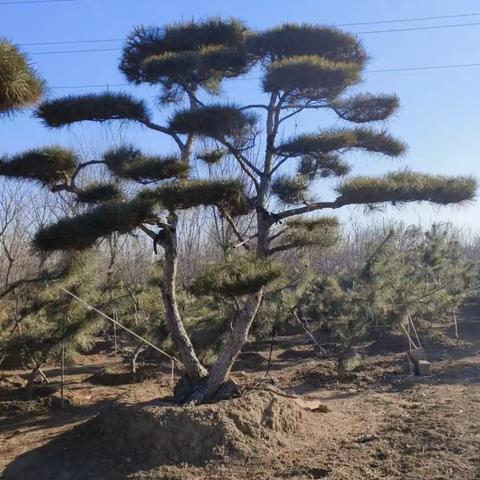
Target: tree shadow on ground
{"type": "Point", "coordinates": [72, 455]}
{"type": "Point", "coordinates": [29, 416]}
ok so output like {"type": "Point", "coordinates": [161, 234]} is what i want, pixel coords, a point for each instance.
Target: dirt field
{"type": "Point", "coordinates": [382, 423]}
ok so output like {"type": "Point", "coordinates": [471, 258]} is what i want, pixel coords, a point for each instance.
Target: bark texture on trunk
{"type": "Point", "coordinates": [193, 368]}
{"type": "Point", "coordinates": [221, 369]}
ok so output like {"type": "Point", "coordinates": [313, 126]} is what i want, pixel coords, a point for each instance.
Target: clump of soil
{"type": "Point", "coordinates": [123, 375]}
{"type": "Point", "coordinates": [298, 354]}
{"type": "Point", "coordinates": [13, 389]}
{"type": "Point", "coordinates": [389, 343]}
{"type": "Point", "coordinates": [249, 361]}
{"type": "Point", "coordinates": [11, 381]}
{"type": "Point", "coordinates": [32, 407]}
{"type": "Point", "coordinates": [162, 435]}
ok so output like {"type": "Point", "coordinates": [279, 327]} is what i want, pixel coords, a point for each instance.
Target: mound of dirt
{"type": "Point", "coordinates": [125, 439]}
{"type": "Point", "coordinates": [196, 434]}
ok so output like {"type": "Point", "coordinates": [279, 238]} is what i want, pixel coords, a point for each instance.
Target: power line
{"type": "Point", "coordinates": [414, 19]}
{"type": "Point", "coordinates": [426, 67]}
{"type": "Point", "coordinates": [32, 2]}
{"type": "Point", "coordinates": [100, 85]}
{"type": "Point", "coordinates": [87, 50]}
{"type": "Point", "coordinates": [386, 70]}
{"type": "Point", "coordinates": [67, 42]}
{"type": "Point", "coordinates": [412, 29]}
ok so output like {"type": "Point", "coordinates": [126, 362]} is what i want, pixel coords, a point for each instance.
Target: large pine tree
{"type": "Point", "coordinates": [302, 68]}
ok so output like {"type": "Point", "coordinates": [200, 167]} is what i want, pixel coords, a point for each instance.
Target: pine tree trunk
{"type": "Point", "coordinates": [193, 368]}
{"type": "Point", "coordinates": [224, 363]}
{"type": "Point", "coordinates": [230, 351]}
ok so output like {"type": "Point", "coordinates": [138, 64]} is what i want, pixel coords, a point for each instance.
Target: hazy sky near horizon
{"type": "Point", "coordinates": [440, 113]}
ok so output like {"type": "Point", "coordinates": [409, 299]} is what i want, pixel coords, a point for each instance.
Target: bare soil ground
{"type": "Point", "coordinates": [382, 423]}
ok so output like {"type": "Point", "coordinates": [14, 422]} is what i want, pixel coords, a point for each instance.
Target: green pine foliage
{"type": "Point", "coordinates": [213, 156]}
{"type": "Point", "coordinates": [50, 317]}
{"type": "Point", "coordinates": [215, 120]}
{"type": "Point", "coordinates": [426, 277]}
{"type": "Point", "coordinates": [238, 275]}
{"type": "Point", "coordinates": [322, 165]}
{"type": "Point", "coordinates": [329, 141]}
{"type": "Point", "coordinates": [311, 77]}
{"type": "Point", "coordinates": [406, 186]}
{"type": "Point", "coordinates": [100, 107]}
{"type": "Point", "coordinates": [20, 85]}
{"type": "Point", "coordinates": [99, 193]}
{"type": "Point", "coordinates": [290, 40]}
{"type": "Point", "coordinates": [47, 165]}
{"type": "Point", "coordinates": [364, 108]}
{"type": "Point", "coordinates": [304, 232]}
{"type": "Point", "coordinates": [82, 231]}
{"type": "Point", "coordinates": [195, 67]}
{"type": "Point", "coordinates": [190, 39]}
{"type": "Point", "coordinates": [130, 163]}
{"type": "Point", "coordinates": [208, 320]}
{"type": "Point", "coordinates": [291, 190]}
{"type": "Point", "coordinates": [226, 194]}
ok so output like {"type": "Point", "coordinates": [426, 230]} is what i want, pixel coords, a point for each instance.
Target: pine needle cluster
{"type": "Point", "coordinates": [239, 275]}
{"type": "Point", "coordinates": [47, 165]}
{"type": "Point", "coordinates": [130, 163]}
{"type": "Point", "coordinates": [100, 107]}
{"type": "Point", "coordinates": [228, 195]}
{"type": "Point", "coordinates": [99, 193]}
{"type": "Point", "coordinates": [407, 186]}
{"type": "Point", "coordinates": [214, 120]}
{"type": "Point", "coordinates": [82, 231]}
{"type": "Point", "coordinates": [20, 85]}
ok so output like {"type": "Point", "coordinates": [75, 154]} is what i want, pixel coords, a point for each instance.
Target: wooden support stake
{"type": "Point", "coordinates": [115, 333]}
{"type": "Point", "coordinates": [62, 368]}
{"type": "Point", "coordinates": [456, 325]}
{"type": "Point", "coordinates": [62, 381]}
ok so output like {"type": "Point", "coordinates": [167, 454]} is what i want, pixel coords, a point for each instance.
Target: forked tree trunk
{"type": "Point", "coordinates": [193, 368]}
{"type": "Point", "coordinates": [222, 366]}
{"type": "Point", "coordinates": [238, 337]}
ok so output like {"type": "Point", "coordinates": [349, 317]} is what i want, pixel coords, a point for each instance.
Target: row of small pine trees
{"type": "Point", "coordinates": [400, 273]}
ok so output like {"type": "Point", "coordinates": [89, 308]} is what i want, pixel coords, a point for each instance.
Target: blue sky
{"type": "Point", "coordinates": [440, 114]}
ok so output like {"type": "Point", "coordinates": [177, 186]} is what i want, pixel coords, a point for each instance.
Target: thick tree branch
{"type": "Point", "coordinates": [165, 130]}
{"type": "Point", "coordinates": [148, 232]}
{"type": "Point", "coordinates": [282, 248]}
{"type": "Point", "coordinates": [247, 107]}
{"type": "Point", "coordinates": [309, 208]}
{"type": "Point", "coordinates": [12, 286]}
{"type": "Point", "coordinates": [277, 235]}
{"type": "Point", "coordinates": [234, 228]}
{"type": "Point", "coordinates": [244, 163]}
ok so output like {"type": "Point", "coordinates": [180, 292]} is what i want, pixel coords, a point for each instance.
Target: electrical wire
{"type": "Point", "coordinates": [386, 70]}
{"type": "Point", "coordinates": [393, 30]}
{"type": "Point", "coordinates": [68, 42]}
{"type": "Point", "coordinates": [414, 19]}
{"type": "Point", "coordinates": [33, 2]}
